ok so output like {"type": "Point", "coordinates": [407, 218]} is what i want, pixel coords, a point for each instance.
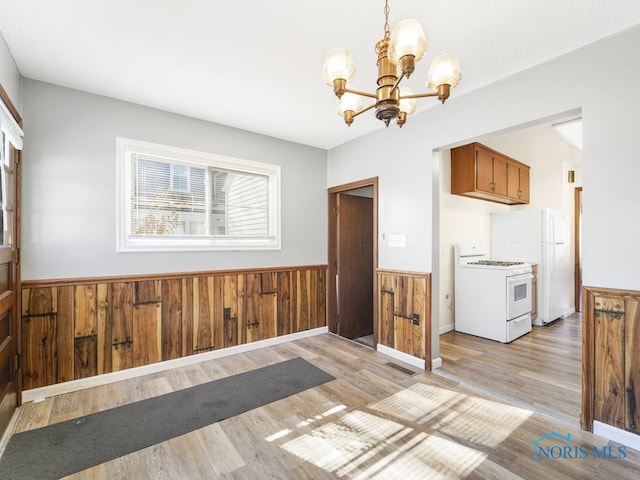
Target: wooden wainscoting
{"type": "Point", "coordinates": [611, 358]}
{"type": "Point", "coordinates": [404, 312]}
{"type": "Point", "coordinates": [74, 329]}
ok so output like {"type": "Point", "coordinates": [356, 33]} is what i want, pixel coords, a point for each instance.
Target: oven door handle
{"type": "Point", "coordinates": [522, 276]}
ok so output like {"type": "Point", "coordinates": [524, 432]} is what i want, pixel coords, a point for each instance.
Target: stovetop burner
{"type": "Point", "coordinates": [495, 263]}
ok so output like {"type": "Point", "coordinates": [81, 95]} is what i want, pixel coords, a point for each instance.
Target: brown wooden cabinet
{"type": "Point", "coordinates": [404, 313]}
{"type": "Point", "coordinates": [616, 367]}
{"type": "Point", "coordinates": [491, 172]}
{"type": "Point", "coordinates": [481, 172]}
{"type": "Point", "coordinates": [518, 181]}
{"type": "Point", "coordinates": [611, 359]}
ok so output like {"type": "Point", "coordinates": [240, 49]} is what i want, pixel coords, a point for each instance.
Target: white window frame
{"type": "Point", "coordinates": [13, 135]}
{"type": "Point", "coordinates": [125, 242]}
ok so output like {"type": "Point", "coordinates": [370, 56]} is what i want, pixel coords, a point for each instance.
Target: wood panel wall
{"type": "Point", "coordinates": [74, 329]}
{"type": "Point", "coordinates": [611, 359]}
{"type": "Point", "coordinates": [404, 312]}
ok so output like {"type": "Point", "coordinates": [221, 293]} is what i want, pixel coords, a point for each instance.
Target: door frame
{"type": "Point", "coordinates": [332, 297]}
{"type": "Point", "coordinates": [11, 299]}
{"type": "Point", "coordinates": [577, 248]}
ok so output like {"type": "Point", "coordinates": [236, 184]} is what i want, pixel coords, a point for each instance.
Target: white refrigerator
{"type": "Point", "coordinates": [536, 236]}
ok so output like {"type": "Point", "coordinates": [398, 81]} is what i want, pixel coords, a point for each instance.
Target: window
{"type": "Point", "coordinates": [180, 178]}
{"type": "Point", "coordinates": [7, 190]}
{"type": "Point", "coordinates": [172, 199]}
{"type": "Point", "coordinates": [10, 143]}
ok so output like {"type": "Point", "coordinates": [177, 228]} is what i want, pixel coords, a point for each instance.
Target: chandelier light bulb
{"type": "Point", "coordinates": [407, 38]}
{"type": "Point", "coordinates": [407, 105]}
{"type": "Point", "coordinates": [348, 101]}
{"type": "Point", "coordinates": [338, 64]}
{"type": "Point", "coordinates": [444, 70]}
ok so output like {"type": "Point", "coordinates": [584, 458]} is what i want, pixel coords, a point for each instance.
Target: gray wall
{"type": "Point", "coordinates": [69, 171]}
{"type": "Point", "coordinates": [69, 187]}
{"type": "Point", "coordinates": [594, 79]}
{"type": "Point", "coordinates": [9, 74]}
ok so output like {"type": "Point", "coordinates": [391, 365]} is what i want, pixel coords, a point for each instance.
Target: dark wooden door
{"type": "Point", "coordinates": [9, 284]}
{"type": "Point", "coordinates": [355, 266]}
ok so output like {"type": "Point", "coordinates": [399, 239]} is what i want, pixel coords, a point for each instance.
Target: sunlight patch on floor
{"type": "Point", "coordinates": [278, 435]}
{"type": "Point", "coordinates": [283, 433]}
{"type": "Point", "coordinates": [425, 456]}
{"type": "Point", "coordinates": [342, 445]}
{"type": "Point", "coordinates": [466, 416]}
{"type": "Point", "coordinates": [365, 446]}
{"type": "Point", "coordinates": [410, 435]}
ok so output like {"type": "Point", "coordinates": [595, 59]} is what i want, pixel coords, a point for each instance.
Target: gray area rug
{"type": "Point", "coordinates": [68, 447]}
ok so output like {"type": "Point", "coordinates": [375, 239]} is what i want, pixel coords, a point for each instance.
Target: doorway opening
{"type": "Point", "coordinates": [353, 261]}
{"type": "Point", "coordinates": [493, 366]}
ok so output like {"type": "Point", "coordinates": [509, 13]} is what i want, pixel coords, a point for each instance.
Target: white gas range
{"type": "Point", "coordinates": [492, 298]}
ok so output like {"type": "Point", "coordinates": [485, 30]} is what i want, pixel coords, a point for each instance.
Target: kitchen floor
{"type": "Point", "coordinates": [541, 370]}
{"type": "Point", "coordinates": [372, 421]}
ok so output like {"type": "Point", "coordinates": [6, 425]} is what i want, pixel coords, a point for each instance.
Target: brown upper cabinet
{"type": "Point", "coordinates": [518, 181]}
{"type": "Point", "coordinates": [481, 172]}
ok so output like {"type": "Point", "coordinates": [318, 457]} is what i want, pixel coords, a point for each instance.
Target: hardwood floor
{"type": "Point", "coordinates": [542, 369]}
{"type": "Point", "coordinates": [367, 340]}
{"type": "Point", "coordinates": [373, 421]}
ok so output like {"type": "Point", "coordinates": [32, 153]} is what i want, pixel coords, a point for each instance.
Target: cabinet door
{"type": "Point", "coordinates": [513, 180]}
{"type": "Point", "coordinates": [517, 182]}
{"type": "Point", "coordinates": [499, 175]}
{"type": "Point", "coordinates": [484, 170]}
{"type": "Point", "coordinates": [632, 365]}
{"type": "Point", "coordinates": [610, 392]}
{"type": "Point", "coordinates": [524, 184]}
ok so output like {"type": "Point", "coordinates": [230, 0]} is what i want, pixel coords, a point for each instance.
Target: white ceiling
{"type": "Point", "coordinates": [256, 65]}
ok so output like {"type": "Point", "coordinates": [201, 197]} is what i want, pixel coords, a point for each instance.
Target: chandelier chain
{"type": "Point", "coordinates": [386, 19]}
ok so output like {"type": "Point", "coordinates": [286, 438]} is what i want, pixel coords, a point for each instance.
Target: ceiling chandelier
{"type": "Point", "coordinates": [402, 48]}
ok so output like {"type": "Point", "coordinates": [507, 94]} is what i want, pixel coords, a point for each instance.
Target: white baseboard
{"type": "Point", "coordinates": [617, 435]}
{"type": "Point", "coordinates": [447, 328]}
{"type": "Point", "coordinates": [436, 363]}
{"type": "Point", "coordinates": [39, 394]}
{"type": "Point", "coordinates": [403, 357]}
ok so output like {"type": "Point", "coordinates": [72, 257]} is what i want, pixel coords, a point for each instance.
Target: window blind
{"type": "Point", "coordinates": [173, 197]}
